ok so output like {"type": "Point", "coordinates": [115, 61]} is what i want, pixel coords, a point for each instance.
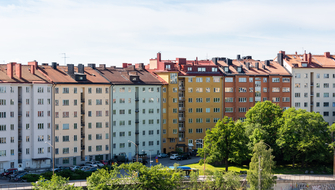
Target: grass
{"type": "Point", "coordinates": [280, 169]}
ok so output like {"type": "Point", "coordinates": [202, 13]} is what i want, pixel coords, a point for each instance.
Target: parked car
{"type": "Point", "coordinates": [75, 168]}
{"type": "Point", "coordinates": [104, 162]}
{"type": "Point", "coordinates": [13, 175]}
{"type": "Point", "coordinates": [162, 155]}
{"type": "Point", "coordinates": [19, 176]}
{"type": "Point", "coordinates": [100, 165]}
{"type": "Point", "coordinates": [83, 168]}
{"type": "Point", "coordinates": [57, 169]}
{"type": "Point", "coordinates": [173, 156]}
{"type": "Point", "coordinates": [92, 164]}
{"type": "Point", "coordinates": [92, 169]}
{"type": "Point", "coordinates": [183, 157]}
{"type": "Point", "coordinates": [10, 171]}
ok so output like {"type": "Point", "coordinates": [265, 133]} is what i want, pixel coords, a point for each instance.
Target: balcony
{"type": "Point", "coordinates": [181, 118]}
{"type": "Point", "coordinates": [181, 139]}
{"type": "Point", "coordinates": [19, 126]}
{"type": "Point", "coordinates": [182, 109]}
{"type": "Point", "coordinates": [82, 112]}
{"type": "Point", "coordinates": [137, 132]}
{"type": "Point", "coordinates": [182, 99]}
{"type": "Point", "coordinates": [82, 135]}
{"type": "Point", "coordinates": [136, 110]}
{"type": "Point", "coordinates": [83, 147]}
{"type": "Point", "coordinates": [20, 150]}
{"type": "Point", "coordinates": [181, 129]}
{"type": "Point", "coordinates": [137, 143]}
{"type": "Point", "coordinates": [83, 123]}
{"type": "Point", "coordinates": [19, 161]}
{"type": "Point", "coordinates": [181, 88]}
{"type": "Point", "coordinates": [20, 138]}
{"type": "Point", "coordinates": [312, 83]}
{"type": "Point", "coordinates": [82, 100]}
{"type": "Point", "coordinates": [137, 99]}
{"type": "Point", "coordinates": [19, 113]}
{"type": "Point", "coordinates": [312, 94]}
{"type": "Point", "coordinates": [137, 121]}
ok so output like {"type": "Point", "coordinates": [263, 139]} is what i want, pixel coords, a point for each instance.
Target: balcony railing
{"type": "Point", "coordinates": [181, 108]}
{"type": "Point", "coordinates": [181, 98]}
{"type": "Point", "coordinates": [181, 139]}
{"type": "Point", "coordinates": [82, 147]}
{"type": "Point", "coordinates": [181, 129]}
{"type": "Point", "coordinates": [137, 132]}
{"type": "Point", "coordinates": [181, 118]}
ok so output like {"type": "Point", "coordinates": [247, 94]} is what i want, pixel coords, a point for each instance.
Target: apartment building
{"type": "Point", "coordinates": [313, 86]}
{"type": "Point", "coordinates": [81, 113]}
{"type": "Point", "coordinates": [192, 100]}
{"type": "Point", "coordinates": [248, 81]}
{"type": "Point", "coordinates": [25, 116]}
{"type": "Point", "coordinates": [136, 110]}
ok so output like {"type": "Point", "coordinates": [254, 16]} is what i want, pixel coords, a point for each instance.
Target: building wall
{"type": "Point", "coordinates": [26, 130]}
{"type": "Point", "coordinates": [81, 123]}
{"type": "Point", "coordinates": [137, 118]}
{"type": "Point", "coordinates": [312, 91]}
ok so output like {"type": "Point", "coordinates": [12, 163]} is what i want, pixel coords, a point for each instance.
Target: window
{"type": "Point", "coordinates": [66, 90]}
{"type": "Point", "coordinates": [99, 147]}
{"type": "Point", "coordinates": [190, 120]}
{"type": "Point", "coordinates": [325, 104]}
{"type": "Point", "coordinates": [297, 85]}
{"type": "Point", "coordinates": [98, 102]}
{"type": "Point", "coordinates": [242, 89]}
{"type": "Point", "coordinates": [98, 124]}
{"type": "Point", "coordinates": [229, 99]}
{"type": "Point", "coordinates": [40, 126]}
{"type": "Point", "coordinates": [230, 89]}
{"type": "Point", "coordinates": [208, 90]}
{"type": "Point", "coordinates": [89, 137]}
{"type": "Point", "coordinates": [65, 102]}
{"type": "Point", "coordinates": [326, 76]}
{"type": "Point", "coordinates": [174, 121]}
{"type": "Point", "coordinates": [190, 110]}
{"type": "Point", "coordinates": [275, 99]}
{"type": "Point", "coordinates": [326, 113]}
{"type": "Point", "coordinates": [190, 100]}
{"type": "Point", "coordinates": [216, 110]}
{"type": "Point", "coordinates": [2, 102]}
{"type": "Point", "coordinates": [199, 100]}
{"type": "Point", "coordinates": [173, 78]}
{"type": "Point", "coordinates": [75, 138]}
{"type": "Point", "coordinates": [66, 151]}
{"type": "Point", "coordinates": [198, 110]}
{"type": "Point", "coordinates": [297, 95]}
{"type": "Point", "coordinates": [286, 89]}
{"type": "Point", "coordinates": [66, 138]}
{"type": "Point", "coordinates": [98, 113]}
{"type": "Point", "coordinates": [229, 109]}
{"type": "Point", "coordinates": [265, 79]}
{"type": "Point", "coordinates": [216, 100]}
{"type": "Point", "coordinates": [216, 89]}
{"type": "Point", "coordinates": [66, 126]}
{"type": "Point", "coordinates": [174, 131]}
{"type": "Point", "coordinates": [40, 150]}
{"type": "Point", "coordinates": [265, 89]}
{"type": "Point", "coordinates": [199, 130]}
{"type": "Point", "coordinates": [198, 120]}
{"type": "Point", "coordinates": [198, 89]}
{"type": "Point", "coordinates": [286, 99]}
{"type": "Point", "coordinates": [40, 114]}
{"type": "Point", "coordinates": [297, 75]}
{"type": "Point", "coordinates": [198, 79]}
{"type": "Point", "coordinates": [208, 79]}
{"type": "Point", "coordinates": [242, 79]}
{"type": "Point", "coordinates": [242, 109]}
{"type": "Point", "coordinates": [275, 89]}
{"type": "Point", "coordinates": [229, 79]}
{"type": "Point", "coordinates": [275, 80]}
{"type": "Point", "coordinates": [75, 102]}
{"type": "Point", "coordinates": [297, 104]}
{"type": "Point", "coordinates": [66, 114]}
{"type": "Point", "coordinates": [325, 85]}
{"type": "Point", "coordinates": [89, 148]}
{"type": "Point", "coordinates": [2, 140]}
{"type": "Point", "coordinates": [2, 127]}
{"type": "Point", "coordinates": [40, 90]}
{"type": "Point", "coordinates": [122, 100]}
{"type": "Point", "coordinates": [242, 99]}
{"type": "Point", "coordinates": [2, 114]}
{"type": "Point", "coordinates": [98, 90]}
{"type": "Point", "coordinates": [98, 136]}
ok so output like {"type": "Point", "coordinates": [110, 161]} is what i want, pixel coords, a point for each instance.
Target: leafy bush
{"type": "Point", "coordinates": [47, 175]}
{"type": "Point", "coordinates": [31, 177]}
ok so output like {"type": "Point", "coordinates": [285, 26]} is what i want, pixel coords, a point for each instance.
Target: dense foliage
{"type": "Point", "coordinates": [56, 182]}
{"type": "Point", "coordinates": [293, 135]}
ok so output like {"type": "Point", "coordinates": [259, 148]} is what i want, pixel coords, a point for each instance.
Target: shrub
{"type": "Point", "coordinates": [31, 177]}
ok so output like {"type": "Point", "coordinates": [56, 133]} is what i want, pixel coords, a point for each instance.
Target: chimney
{"type": "Point", "coordinates": [309, 58]}
{"type": "Point", "coordinates": [305, 56]}
{"type": "Point", "coordinates": [257, 65]}
{"type": "Point", "coordinates": [80, 68]}
{"type": "Point", "coordinates": [33, 63]}
{"type": "Point", "coordinates": [238, 57]}
{"type": "Point", "coordinates": [197, 61]}
{"type": "Point", "coordinates": [215, 60]}
{"type": "Point", "coordinates": [18, 71]}
{"type": "Point", "coordinates": [54, 65]}
{"type": "Point", "coordinates": [32, 69]}
{"type": "Point", "coordinates": [327, 54]}
{"type": "Point", "coordinates": [159, 56]}
{"type": "Point", "coordinates": [124, 65]}
{"type": "Point", "coordinates": [280, 58]}
{"type": "Point", "coordinates": [282, 52]}
{"type": "Point", "coordinates": [103, 66]}
{"type": "Point", "coordinates": [10, 70]}
{"type": "Point", "coordinates": [70, 69]}
{"type": "Point", "coordinates": [92, 65]}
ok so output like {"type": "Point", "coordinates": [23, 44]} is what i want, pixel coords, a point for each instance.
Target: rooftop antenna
{"type": "Point", "coordinates": [64, 58]}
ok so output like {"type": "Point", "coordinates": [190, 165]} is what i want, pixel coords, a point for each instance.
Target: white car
{"type": "Point", "coordinates": [92, 164]}
{"type": "Point", "coordinates": [173, 156]}
{"type": "Point", "coordinates": [75, 168]}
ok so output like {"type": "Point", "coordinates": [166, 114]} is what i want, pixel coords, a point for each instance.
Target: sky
{"type": "Point", "coordinates": [131, 31]}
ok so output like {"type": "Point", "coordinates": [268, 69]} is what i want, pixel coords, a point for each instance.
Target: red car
{"type": "Point", "coordinates": [104, 162]}
{"type": "Point", "coordinates": [7, 172]}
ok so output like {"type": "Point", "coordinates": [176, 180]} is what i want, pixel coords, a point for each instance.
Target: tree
{"type": "Point", "coordinates": [137, 176]}
{"type": "Point", "coordinates": [303, 135]}
{"type": "Point", "coordinates": [226, 141]}
{"type": "Point", "coordinates": [263, 157]}
{"type": "Point", "coordinates": [262, 123]}
{"type": "Point", "coordinates": [56, 183]}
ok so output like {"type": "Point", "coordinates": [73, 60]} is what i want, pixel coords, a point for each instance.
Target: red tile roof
{"type": "Point", "coordinates": [26, 75]}
{"type": "Point", "coordinates": [316, 61]}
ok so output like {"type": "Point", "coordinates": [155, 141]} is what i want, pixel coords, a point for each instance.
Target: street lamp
{"type": "Point", "coordinates": [135, 149]}
{"type": "Point", "coordinates": [204, 157]}
{"type": "Point", "coordinates": [150, 155]}
{"type": "Point", "coordinates": [53, 157]}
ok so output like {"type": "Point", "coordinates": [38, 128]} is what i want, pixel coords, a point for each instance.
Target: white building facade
{"type": "Point", "coordinates": [136, 119]}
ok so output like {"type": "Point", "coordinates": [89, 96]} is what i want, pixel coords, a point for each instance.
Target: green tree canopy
{"type": "Point", "coordinates": [226, 141]}
{"type": "Point", "coordinates": [303, 135]}
{"type": "Point", "coordinates": [55, 183]}
{"type": "Point", "coordinates": [261, 157]}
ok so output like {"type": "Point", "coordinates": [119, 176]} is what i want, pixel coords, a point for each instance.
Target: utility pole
{"type": "Point", "coordinates": [65, 58]}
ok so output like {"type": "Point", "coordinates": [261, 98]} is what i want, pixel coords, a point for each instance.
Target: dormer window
{"type": "Point", "coordinates": [226, 69]}
{"type": "Point", "coordinates": [189, 68]}
{"type": "Point", "coordinates": [304, 64]}
{"type": "Point", "coordinates": [167, 67]}
{"type": "Point", "coordinates": [214, 69]}
{"type": "Point", "coordinates": [239, 69]}
{"type": "Point", "coordinates": [201, 69]}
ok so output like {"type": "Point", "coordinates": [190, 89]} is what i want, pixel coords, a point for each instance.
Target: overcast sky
{"type": "Point", "coordinates": [120, 31]}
